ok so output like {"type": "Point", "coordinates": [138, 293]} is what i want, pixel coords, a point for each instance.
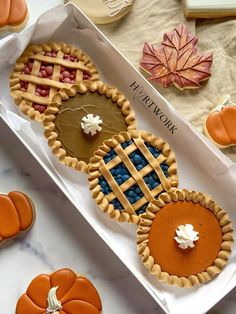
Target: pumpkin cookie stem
{"type": "Point", "coordinates": [53, 304]}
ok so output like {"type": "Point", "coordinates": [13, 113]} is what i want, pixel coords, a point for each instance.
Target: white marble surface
{"type": "Point", "coordinates": [62, 238]}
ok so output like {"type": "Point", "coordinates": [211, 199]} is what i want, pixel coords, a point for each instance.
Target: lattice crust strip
{"type": "Point", "coordinates": [32, 91]}
{"type": "Point", "coordinates": [102, 169]}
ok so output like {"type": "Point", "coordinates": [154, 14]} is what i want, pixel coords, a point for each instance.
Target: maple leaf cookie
{"type": "Point", "coordinates": [176, 62]}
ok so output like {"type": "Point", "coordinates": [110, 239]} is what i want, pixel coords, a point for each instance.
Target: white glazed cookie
{"type": "Point", "coordinates": [209, 8]}
{"type": "Point", "coordinates": [104, 11]}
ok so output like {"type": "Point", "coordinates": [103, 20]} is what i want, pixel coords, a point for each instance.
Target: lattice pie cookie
{"type": "Point", "coordinates": [42, 70]}
{"type": "Point", "coordinates": [129, 171]}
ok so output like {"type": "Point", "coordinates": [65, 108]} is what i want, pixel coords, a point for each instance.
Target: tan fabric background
{"type": "Point", "coordinates": [149, 20]}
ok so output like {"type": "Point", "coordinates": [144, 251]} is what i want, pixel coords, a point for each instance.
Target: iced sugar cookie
{"type": "Point", "coordinates": [17, 215]}
{"type": "Point", "coordinates": [42, 70]}
{"type": "Point", "coordinates": [104, 11]}
{"type": "Point", "coordinates": [13, 14]}
{"type": "Point", "coordinates": [130, 170]}
{"type": "Point", "coordinates": [190, 228]}
{"type": "Point", "coordinates": [62, 292]}
{"type": "Point", "coordinates": [81, 118]}
{"type": "Point", "coordinates": [220, 125]}
{"type": "Point", "coordinates": [176, 61]}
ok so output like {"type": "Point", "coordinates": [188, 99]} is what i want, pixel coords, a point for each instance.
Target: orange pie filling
{"type": "Point", "coordinates": [166, 251]}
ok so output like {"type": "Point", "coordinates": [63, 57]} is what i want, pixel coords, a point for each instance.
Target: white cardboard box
{"type": "Point", "coordinates": [201, 165]}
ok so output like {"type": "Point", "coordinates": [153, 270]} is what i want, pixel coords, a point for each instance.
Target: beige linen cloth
{"type": "Point", "coordinates": [149, 20]}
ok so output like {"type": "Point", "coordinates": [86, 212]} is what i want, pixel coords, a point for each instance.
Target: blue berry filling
{"type": "Point", "coordinates": [152, 180]}
{"type": "Point", "coordinates": [105, 187]}
{"type": "Point", "coordinates": [117, 205]}
{"type": "Point", "coordinates": [138, 160]}
{"type": "Point", "coordinates": [133, 194]}
{"type": "Point", "coordinates": [165, 168]}
{"type": "Point", "coordinates": [126, 144]}
{"type": "Point", "coordinates": [109, 156]}
{"type": "Point", "coordinates": [153, 150]}
{"type": "Point", "coordinates": [142, 209]}
{"type": "Point", "coordinates": [120, 173]}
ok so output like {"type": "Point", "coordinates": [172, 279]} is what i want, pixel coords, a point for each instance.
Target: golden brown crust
{"type": "Point", "coordinates": [24, 99]}
{"type": "Point", "coordinates": [145, 226]}
{"type": "Point", "coordinates": [82, 88]}
{"type": "Point", "coordinates": [167, 155]}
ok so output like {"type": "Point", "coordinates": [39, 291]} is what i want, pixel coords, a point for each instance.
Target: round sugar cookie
{"type": "Point", "coordinates": [104, 11]}
{"type": "Point", "coordinates": [184, 238]}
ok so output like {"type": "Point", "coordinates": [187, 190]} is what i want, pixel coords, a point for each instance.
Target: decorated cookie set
{"type": "Point", "coordinates": [132, 174]}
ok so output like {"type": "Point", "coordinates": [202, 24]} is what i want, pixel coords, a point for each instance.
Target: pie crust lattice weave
{"type": "Point", "coordinates": [43, 70]}
{"type": "Point", "coordinates": [129, 171]}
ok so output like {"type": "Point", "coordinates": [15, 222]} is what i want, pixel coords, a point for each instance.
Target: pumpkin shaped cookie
{"type": "Point", "coordinates": [13, 14]}
{"type": "Point", "coordinates": [220, 125]}
{"type": "Point", "coordinates": [17, 215]}
{"type": "Point", "coordinates": [62, 292]}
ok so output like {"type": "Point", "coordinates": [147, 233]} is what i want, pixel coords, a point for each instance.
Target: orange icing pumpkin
{"type": "Point", "coordinates": [75, 294]}
{"type": "Point", "coordinates": [16, 215]}
{"type": "Point", "coordinates": [220, 125]}
{"type": "Point", "coordinates": [12, 12]}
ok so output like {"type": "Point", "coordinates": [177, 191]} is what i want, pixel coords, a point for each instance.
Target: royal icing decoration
{"type": "Point", "coordinates": [186, 236]}
{"type": "Point", "coordinates": [116, 6]}
{"type": "Point", "coordinates": [176, 61]}
{"type": "Point", "coordinates": [91, 124]}
{"type": "Point", "coordinates": [53, 304]}
{"type": "Point", "coordinates": [105, 11]}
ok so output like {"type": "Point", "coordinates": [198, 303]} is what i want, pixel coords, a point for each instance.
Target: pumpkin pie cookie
{"type": "Point", "coordinates": [190, 228]}
{"type": "Point", "coordinates": [130, 170]}
{"type": "Point", "coordinates": [42, 70]}
{"type": "Point", "coordinates": [17, 215]}
{"type": "Point", "coordinates": [220, 126]}
{"type": "Point", "coordinates": [13, 14]}
{"type": "Point", "coordinates": [82, 118]}
{"type": "Point", "coordinates": [63, 292]}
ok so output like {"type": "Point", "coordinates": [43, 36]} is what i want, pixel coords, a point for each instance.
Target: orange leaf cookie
{"type": "Point", "coordinates": [63, 292]}
{"type": "Point", "coordinates": [13, 14]}
{"type": "Point", "coordinates": [176, 61]}
{"type": "Point", "coordinates": [16, 215]}
{"type": "Point", "coordinates": [220, 125]}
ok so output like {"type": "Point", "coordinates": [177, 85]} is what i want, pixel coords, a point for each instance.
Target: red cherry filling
{"type": "Point", "coordinates": [40, 108]}
{"type": "Point", "coordinates": [67, 75]}
{"type": "Point", "coordinates": [86, 76]}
